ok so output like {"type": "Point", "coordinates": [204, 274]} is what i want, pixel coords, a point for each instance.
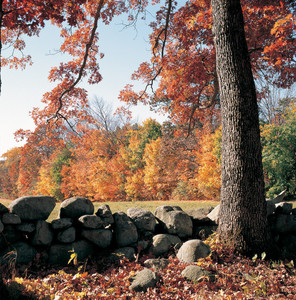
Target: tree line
{"type": "Point", "coordinates": [117, 160]}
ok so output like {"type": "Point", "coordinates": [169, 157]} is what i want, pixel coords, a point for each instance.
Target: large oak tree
{"type": "Point", "coordinates": [243, 219]}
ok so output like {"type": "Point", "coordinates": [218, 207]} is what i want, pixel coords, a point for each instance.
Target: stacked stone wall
{"type": "Point", "coordinates": [25, 231]}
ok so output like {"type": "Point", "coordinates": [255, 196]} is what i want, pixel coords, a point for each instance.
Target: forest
{"type": "Point", "coordinates": [116, 160]}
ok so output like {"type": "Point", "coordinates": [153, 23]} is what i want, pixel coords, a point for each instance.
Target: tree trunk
{"type": "Point", "coordinates": [243, 220]}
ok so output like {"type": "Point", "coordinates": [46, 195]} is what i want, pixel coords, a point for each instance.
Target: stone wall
{"type": "Point", "coordinates": [25, 231]}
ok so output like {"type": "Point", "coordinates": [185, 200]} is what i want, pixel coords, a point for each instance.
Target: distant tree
{"type": "Point", "coordinates": [10, 173]}
{"type": "Point", "coordinates": [279, 153]}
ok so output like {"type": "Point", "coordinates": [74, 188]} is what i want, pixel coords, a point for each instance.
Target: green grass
{"type": "Point", "coordinates": [149, 205]}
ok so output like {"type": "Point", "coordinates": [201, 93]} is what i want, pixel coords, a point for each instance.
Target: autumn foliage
{"type": "Point", "coordinates": [71, 152]}
{"type": "Point", "coordinates": [136, 162]}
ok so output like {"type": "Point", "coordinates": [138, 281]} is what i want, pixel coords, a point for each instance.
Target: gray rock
{"type": "Point", "coordinates": [91, 221]}
{"type": "Point", "coordinates": [124, 252]}
{"type": "Point", "coordinates": [104, 212]}
{"type": "Point", "coordinates": [1, 227]}
{"type": "Point", "coordinates": [142, 218]}
{"type": "Point", "coordinates": [199, 215]}
{"type": "Point", "coordinates": [156, 263]}
{"type": "Point", "coordinates": [59, 254]}
{"type": "Point", "coordinates": [125, 230]}
{"type": "Point", "coordinates": [192, 250]}
{"type": "Point", "coordinates": [195, 273]}
{"type": "Point", "coordinates": [67, 236]}
{"type": "Point", "coordinates": [174, 220]}
{"type": "Point", "coordinates": [26, 227]}
{"type": "Point", "coordinates": [83, 249]}
{"type": "Point", "coordinates": [285, 223]}
{"type": "Point", "coordinates": [76, 207]}
{"type": "Point", "coordinates": [11, 219]}
{"type": "Point", "coordinates": [25, 252]}
{"type": "Point", "coordinates": [3, 209]}
{"type": "Point", "coordinates": [61, 224]}
{"type": "Point", "coordinates": [43, 235]}
{"type": "Point", "coordinates": [31, 208]}
{"type": "Point", "coordinates": [214, 214]}
{"type": "Point", "coordinates": [143, 280]}
{"type": "Point", "coordinates": [161, 243]}
{"type": "Point", "coordinates": [283, 208]}
{"type": "Point", "coordinates": [100, 237]}
{"type": "Point", "coordinates": [161, 211]}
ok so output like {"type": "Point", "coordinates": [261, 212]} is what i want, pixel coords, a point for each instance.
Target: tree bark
{"type": "Point", "coordinates": [243, 220]}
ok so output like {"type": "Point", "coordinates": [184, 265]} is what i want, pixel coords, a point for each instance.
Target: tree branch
{"type": "Point", "coordinates": [87, 49]}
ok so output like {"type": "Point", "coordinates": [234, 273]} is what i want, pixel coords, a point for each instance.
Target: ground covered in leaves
{"type": "Point", "coordinates": [236, 277]}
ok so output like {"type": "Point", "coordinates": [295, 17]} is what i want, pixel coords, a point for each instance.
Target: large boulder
{"type": "Point", "coordinates": [214, 214]}
{"type": "Point", "coordinates": [59, 254]}
{"type": "Point", "coordinates": [192, 250]}
{"type": "Point", "coordinates": [67, 236]}
{"type": "Point", "coordinates": [31, 208]}
{"type": "Point", "coordinates": [43, 235]}
{"type": "Point", "coordinates": [83, 249]}
{"type": "Point", "coordinates": [162, 243]}
{"type": "Point", "coordinates": [199, 215]}
{"type": "Point", "coordinates": [25, 252]}
{"type": "Point", "coordinates": [91, 222]}
{"type": "Point", "coordinates": [61, 224]}
{"type": "Point", "coordinates": [76, 207]}
{"type": "Point", "coordinates": [143, 280]}
{"type": "Point", "coordinates": [195, 273]}
{"type": "Point", "coordinates": [100, 237]}
{"type": "Point", "coordinates": [104, 212]}
{"type": "Point", "coordinates": [174, 220]}
{"type": "Point", "coordinates": [161, 211]}
{"type": "Point", "coordinates": [125, 230]}
{"type": "Point", "coordinates": [11, 219]}
{"type": "Point", "coordinates": [26, 227]}
{"type": "Point", "coordinates": [143, 219]}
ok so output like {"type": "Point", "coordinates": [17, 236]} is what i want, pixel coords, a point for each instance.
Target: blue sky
{"type": "Point", "coordinates": [124, 50]}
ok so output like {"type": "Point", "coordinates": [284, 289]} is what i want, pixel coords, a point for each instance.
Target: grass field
{"type": "Point", "coordinates": [124, 206]}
